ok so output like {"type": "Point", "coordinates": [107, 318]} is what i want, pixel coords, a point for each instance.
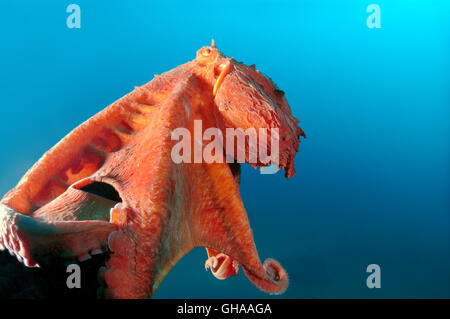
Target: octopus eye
{"type": "Point", "coordinates": [206, 52]}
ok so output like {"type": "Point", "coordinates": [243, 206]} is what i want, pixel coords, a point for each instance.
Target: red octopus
{"type": "Point", "coordinates": [111, 185]}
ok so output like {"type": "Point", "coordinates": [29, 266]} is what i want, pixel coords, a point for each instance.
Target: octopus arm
{"type": "Point", "coordinates": [221, 224]}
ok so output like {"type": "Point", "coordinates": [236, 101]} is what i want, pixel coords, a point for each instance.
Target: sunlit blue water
{"type": "Point", "coordinates": [372, 179]}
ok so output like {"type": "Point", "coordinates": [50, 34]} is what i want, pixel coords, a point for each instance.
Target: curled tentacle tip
{"type": "Point", "coordinates": [277, 274]}
{"type": "Point", "coordinates": [272, 278]}
{"type": "Point", "coordinates": [222, 266]}
{"type": "Point", "coordinates": [211, 262]}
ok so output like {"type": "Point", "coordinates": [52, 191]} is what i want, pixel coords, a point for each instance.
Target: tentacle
{"type": "Point", "coordinates": [222, 225]}
{"type": "Point", "coordinates": [37, 242]}
{"type": "Point", "coordinates": [221, 265]}
{"type": "Point", "coordinates": [151, 237]}
{"type": "Point", "coordinates": [118, 278]}
{"type": "Point", "coordinates": [45, 192]}
{"type": "Point", "coordinates": [76, 205]}
{"type": "Point", "coordinates": [84, 150]}
{"type": "Point", "coordinates": [275, 281]}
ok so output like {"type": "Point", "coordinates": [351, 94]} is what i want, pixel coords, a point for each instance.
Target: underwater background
{"type": "Point", "coordinates": [372, 182]}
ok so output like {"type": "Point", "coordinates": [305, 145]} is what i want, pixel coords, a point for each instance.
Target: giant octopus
{"type": "Point", "coordinates": [110, 186]}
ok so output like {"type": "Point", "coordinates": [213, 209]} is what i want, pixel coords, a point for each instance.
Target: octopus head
{"type": "Point", "coordinates": [249, 106]}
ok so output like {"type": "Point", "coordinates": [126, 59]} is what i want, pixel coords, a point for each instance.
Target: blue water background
{"type": "Point", "coordinates": [372, 182]}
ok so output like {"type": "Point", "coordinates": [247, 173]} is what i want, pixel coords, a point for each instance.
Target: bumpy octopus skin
{"type": "Point", "coordinates": [111, 186]}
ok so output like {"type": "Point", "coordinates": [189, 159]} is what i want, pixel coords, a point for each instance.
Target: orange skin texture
{"type": "Point", "coordinates": [166, 209]}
